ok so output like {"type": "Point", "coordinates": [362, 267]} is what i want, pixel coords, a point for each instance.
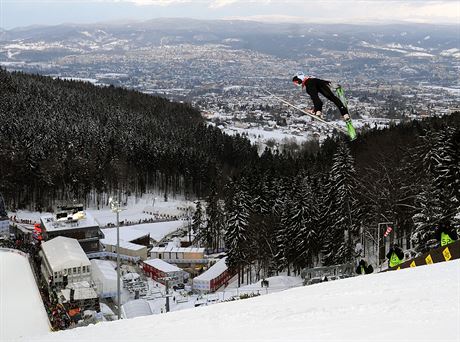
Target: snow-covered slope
{"type": "Point", "coordinates": [21, 308]}
{"type": "Point", "coordinates": [420, 304]}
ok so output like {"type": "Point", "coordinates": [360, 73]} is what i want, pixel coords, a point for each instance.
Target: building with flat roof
{"type": "Point", "coordinates": [81, 294]}
{"type": "Point", "coordinates": [129, 249]}
{"type": "Point", "coordinates": [73, 222]}
{"type": "Point", "coordinates": [64, 262]}
{"type": "Point", "coordinates": [216, 276]}
{"type": "Point", "coordinates": [133, 243]}
{"type": "Point", "coordinates": [127, 234]}
{"type": "Point", "coordinates": [158, 270]}
{"type": "Point", "coordinates": [190, 259]}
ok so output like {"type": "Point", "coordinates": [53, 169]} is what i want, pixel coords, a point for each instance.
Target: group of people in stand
{"type": "Point", "coordinates": [445, 234]}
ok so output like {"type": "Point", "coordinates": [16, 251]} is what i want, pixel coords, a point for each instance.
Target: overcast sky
{"type": "Point", "coordinates": [16, 13]}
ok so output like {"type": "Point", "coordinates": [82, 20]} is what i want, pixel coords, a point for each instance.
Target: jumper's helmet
{"type": "Point", "coordinates": [298, 78]}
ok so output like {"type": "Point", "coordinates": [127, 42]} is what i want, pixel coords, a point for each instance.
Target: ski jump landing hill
{"type": "Point", "coordinates": [414, 304]}
{"type": "Point", "coordinates": [22, 314]}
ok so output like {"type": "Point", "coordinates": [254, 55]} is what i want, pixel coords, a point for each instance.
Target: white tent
{"type": "Point", "coordinates": [105, 277]}
{"type": "Point", "coordinates": [136, 308]}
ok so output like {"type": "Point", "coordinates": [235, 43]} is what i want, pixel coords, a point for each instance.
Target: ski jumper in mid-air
{"type": "Point", "coordinates": [314, 87]}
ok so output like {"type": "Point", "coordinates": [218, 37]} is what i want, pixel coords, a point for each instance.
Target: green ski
{"type": "Point", "coordinates": [350, 129]}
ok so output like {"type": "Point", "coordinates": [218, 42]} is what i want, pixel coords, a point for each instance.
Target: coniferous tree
{"type": "Point", "coordinates": [214, 221]}
{"type": "Point", "coordinates": [304, 223]}
{"type": "Point", "coordinates": [236, 235]}
{"type": "Point", "coordinates": [428, 214]}
{"type": "Point", "coordinates": [345, 211]}
{"type": "Point", "coordinates": [438, 186]}
{"type": "Point", "coordinates": [197, 218]}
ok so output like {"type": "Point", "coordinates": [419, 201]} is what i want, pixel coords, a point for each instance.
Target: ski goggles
{"type": "Point", "coordinates": [297, 82]}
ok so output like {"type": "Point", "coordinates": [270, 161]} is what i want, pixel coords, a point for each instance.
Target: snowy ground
{"type": "Point", "coordinates": [419, 304]}
{"type": "Point", "coordinates": [22, 313]}
{"type": "Point", "coordinates": [137, 209]}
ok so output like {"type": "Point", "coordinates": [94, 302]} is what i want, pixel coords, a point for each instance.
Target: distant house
{"type": "Point", "coordinates": [216, 276]}
{"type": "Point", "coordinates": [64, 262]}
{"type": "Point", "coordinates": [158, 270]}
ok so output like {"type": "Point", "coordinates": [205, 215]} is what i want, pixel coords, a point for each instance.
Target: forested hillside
{"type": "Point", "coordinates": [408, 175]}
{"type": "Point", "coordinates": [61, 139]}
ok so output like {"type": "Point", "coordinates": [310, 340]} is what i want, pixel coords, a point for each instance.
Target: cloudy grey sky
{"type": "Point", "coordinates": [16, 13]}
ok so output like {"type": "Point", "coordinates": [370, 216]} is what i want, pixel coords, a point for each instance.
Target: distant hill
{"type": "Point", "coordinates": [280, 39]}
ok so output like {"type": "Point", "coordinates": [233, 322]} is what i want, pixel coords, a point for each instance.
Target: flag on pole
{"type": "Point", "coordinates": [388, 231]}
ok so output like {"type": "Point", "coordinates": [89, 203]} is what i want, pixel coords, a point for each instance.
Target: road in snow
{"type": "Point", "coordinates": [419, 304]}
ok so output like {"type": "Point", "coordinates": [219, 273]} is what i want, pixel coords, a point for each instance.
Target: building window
{"type": "Point", "coordinates": [79, 269]}
{"type": "Point", "coordinates": [74, 270]}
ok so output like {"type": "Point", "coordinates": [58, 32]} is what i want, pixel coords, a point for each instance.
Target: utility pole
{"type": "Point", "coordinates": [167, 294]}
{"type": "Point", "coordinates": [189, 218]}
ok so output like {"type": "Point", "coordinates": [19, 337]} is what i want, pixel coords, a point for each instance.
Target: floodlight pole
{"type": "Point", "coordinates": [118, 264]}
{"type": "Point", "coordinates": [115, 206]}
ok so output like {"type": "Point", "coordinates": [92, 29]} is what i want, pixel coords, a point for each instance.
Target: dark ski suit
{"type": "Point", "coordinates": [315, 86]}
{"type": "Point", "coordinates": [363, 268]}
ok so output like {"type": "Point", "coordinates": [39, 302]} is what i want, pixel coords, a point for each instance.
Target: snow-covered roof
{"type": "Point", "coordinates": [131, 276]}
{"type": "Point", "coordinates": [162, 265]}
{"type": "Point", "coordinates": [104, 267]}
{"type": "Point", "coordinates": [81, 220]}
{"type": "Point", "coordinates": [136, 308]}
{"type": "Point", "coordinates": [63, 252]}
{"type": "Point", "coordinates": [214, 271]}
{"type": "Point", "coordinates": [127, 234]}
{"type": "Point", "coordinates": [82, 291]}
{"type": "Point", "coordinates": [177, 249]}
{"type": "Point", "coordinates": [131, 246]}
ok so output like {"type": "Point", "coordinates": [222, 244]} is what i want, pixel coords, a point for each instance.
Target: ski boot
{"type": "Point", "coordinates": [350, 129]}
{"type": "Point", "coordinates": [319, 114]}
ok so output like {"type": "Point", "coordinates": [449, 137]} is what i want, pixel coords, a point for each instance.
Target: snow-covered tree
{"type": "Point", "coordinates": [236, 235]}
{"type": "Point", "coordinates": [439, 185]}
{"type": "Point", "coordinates": [344, 208]}
{"type": "Point", "coordinates": [197, 218]}
{"type": "Point", "coordinates": [305, 223]}
{"type": "Point", "coordinates": [429, 213]}
{"type": "Point", "coordinates": [212, 232]}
